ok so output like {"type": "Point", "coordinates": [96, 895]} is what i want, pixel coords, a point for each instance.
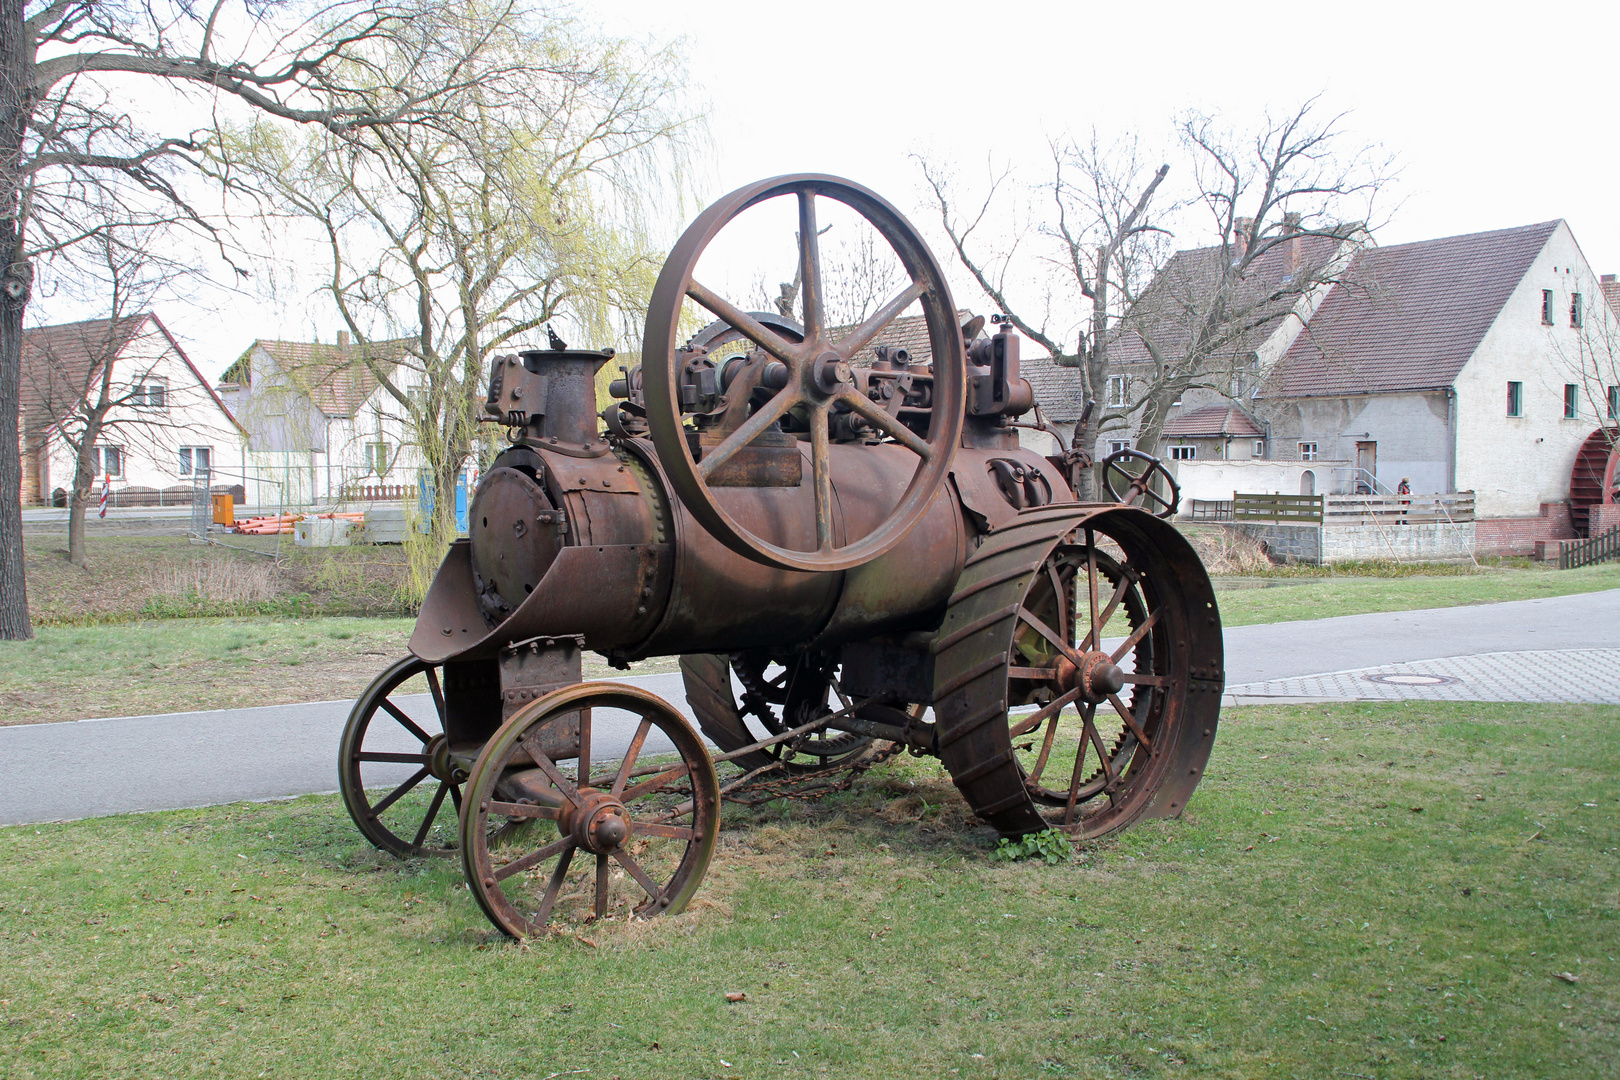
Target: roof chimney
{"type": "Point", "coordinates": [1611, 290]}
{"type": "Point", "coordinates": [343, 340]}
{"type": "Point", "coordinates": [1241, 228]}
{"type": "Point", "coordinates": [1291, 223]}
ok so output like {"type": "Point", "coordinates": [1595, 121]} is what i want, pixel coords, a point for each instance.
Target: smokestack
{"type": "Point", "coordinates": [343, 340]}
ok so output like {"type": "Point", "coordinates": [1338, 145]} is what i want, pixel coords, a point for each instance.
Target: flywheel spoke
{"type": "Point", "coordinates": [821, 465]}
{"type": "Point", "coordinates": [601, 886]}
{"type": "Point", "coordinates": [554, 886]}
{"type": "Point", "coordinates": [745, 324]}
{"type": "Point", "coordinates": [749, 430]}
{"type": "Point", "coordinates": [879, 418]}
{"type": "Point", "coordinates": [813, 302]}
{"type": "Point", "coordinates": [647, 884]}
{"type": "Point", "coordinates": [858, 338]}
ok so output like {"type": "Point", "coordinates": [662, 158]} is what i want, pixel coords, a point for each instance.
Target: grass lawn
{"type": "Point", "coordinates": [178, 665]}
{"type": "Point", "coordinates": [1376, 891]}
{"type": "Point", "coordinates": [142, 577]}
{"type": "Point", "coordinates": [1282, 598]}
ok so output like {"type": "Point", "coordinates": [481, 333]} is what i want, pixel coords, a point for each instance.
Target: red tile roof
{"type": "Point", "coordinates": [59, 362]}
{"type": "Point", "coordinates": [1212, 422]}
{"type": "Point", "coordinates": [1409, 316]}
{"type": "Point", "coordinates": [1171, 307]}
{"type": "Point", "coordinates": [335, 377]}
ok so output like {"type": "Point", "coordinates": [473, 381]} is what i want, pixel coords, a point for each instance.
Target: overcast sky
{"type": "Point", "coordinates": [1499, 115]}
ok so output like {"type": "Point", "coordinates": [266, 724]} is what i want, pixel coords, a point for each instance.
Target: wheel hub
{"type": "Point", "coordinates": [831, 373]}
{"type": "Point", "coordinates": [600, 825]}
{"type": "Point", "coordinates": [440, 764]}
{"type": "Point", "coordinates": [1096, 677]}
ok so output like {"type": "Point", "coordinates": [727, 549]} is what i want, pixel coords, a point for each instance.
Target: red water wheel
{"type": "Point", "coordinates": [1592, 481]}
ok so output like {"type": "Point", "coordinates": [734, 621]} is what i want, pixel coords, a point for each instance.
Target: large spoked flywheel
{"type": "Point", "coordinates": [813, 380]}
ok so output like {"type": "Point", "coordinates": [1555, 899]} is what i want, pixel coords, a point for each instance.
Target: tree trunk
{"type": "Point", "coordinates": [84, 484]}
{"type": "Point", "coordinates": [16, 278]}
{"type": "Point", "coordinates": [1096, 377]}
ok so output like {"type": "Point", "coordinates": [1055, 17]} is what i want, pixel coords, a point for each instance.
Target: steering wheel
{"type": "Point", "coordinates": [819, 377]}
{"type": "Point", "coordinates": [1140, 484]}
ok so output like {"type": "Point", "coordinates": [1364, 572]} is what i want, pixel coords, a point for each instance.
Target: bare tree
{"type": "Point", "coordinates": [65, 66]}
{"type": "Point", "coordinates": [1276, 198]}
{"type": "Point", "coordinates": [94, 379]}
{"type": "Point", "coordinates": [527, 202]}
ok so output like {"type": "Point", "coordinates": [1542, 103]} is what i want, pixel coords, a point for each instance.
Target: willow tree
{"type": "Point", "coordinates": [527, 202]}
{"type": "Point", "coordinates": [70, 142]}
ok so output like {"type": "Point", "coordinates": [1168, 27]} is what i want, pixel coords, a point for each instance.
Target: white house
{"type": "Point", "coordinates": [1452, 364]}
{"type": "Point", "coordinates": [320, 426]}
{"type": "Point", "coordinates": [166, 430]}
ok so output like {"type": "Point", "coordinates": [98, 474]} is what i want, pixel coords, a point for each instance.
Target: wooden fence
{"type": "Point", "coordinates": [1454, 506]}
{"type": "Point", "coordinates": [1287, 509]}
{"type": "Point", "coordinates": [1599, 548]}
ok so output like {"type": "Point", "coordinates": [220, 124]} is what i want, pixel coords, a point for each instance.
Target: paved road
{"type": "Point", "coordinates": [93, 767]}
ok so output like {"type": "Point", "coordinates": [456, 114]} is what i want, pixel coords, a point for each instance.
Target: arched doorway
{"type": "Point", "coordinates": [1307, 482]}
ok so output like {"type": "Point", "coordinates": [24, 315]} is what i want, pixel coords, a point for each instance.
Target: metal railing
{"type": "Point", "coordinates": [1600, 548]}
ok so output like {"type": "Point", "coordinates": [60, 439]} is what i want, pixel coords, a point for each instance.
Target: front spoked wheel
{"type": "Point", "coordinates": [395, 770]}
{"type": "Point", "coordinates": [597, 800]}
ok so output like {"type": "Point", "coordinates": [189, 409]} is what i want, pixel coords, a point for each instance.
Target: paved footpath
{"type": "Point", "coordinates": [1558, 649]}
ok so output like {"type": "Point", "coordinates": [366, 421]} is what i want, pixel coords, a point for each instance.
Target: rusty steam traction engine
{"type": "Point", "coordinates": [832, 550]}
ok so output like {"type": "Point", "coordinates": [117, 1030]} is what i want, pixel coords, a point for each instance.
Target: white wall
{"type": "Point", "coordinates": [1514, 464]}
{"type": "Point", "coordinates": [1217, 480]}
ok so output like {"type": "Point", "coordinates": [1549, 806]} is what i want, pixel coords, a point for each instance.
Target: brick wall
{"type": "Point", "coordinates": [1603, 516]}
{"type": "Point", "coordinates": [1518, 535]}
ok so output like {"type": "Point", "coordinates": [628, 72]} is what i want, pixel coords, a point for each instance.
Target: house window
{"type": "Point", "coordinates": [150, 394]}
{"type": "Point", "coordinates": [1116, 445]}
{"type": "Point", "coordinates": [1571, 401]}
{"type": "Point", "coordinates": [1515, 401]}
{"type": "Point", "coordinates": [1116, 389]}
{"type": "Point", "coordinates": [108, 460]}
{"type": "Point", "coordinates": [1259, 448]}
{"type": "Point", "coordinates": [1575, 310]}
{"type": "Point", "coordinates": [1183, 453]}
{"type": "Point", "coordinates": [1546, 307]}
{"type": "Point", "coordinates": [194, 460]}
{"type": "Point", "coordinates": [1307, 451]}
{"type": "Point", "coordinates": [1614, 402]}
{"type": "Point", "coordinates": [377, 458]}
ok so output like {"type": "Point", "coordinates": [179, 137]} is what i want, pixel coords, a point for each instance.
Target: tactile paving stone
{"type": "Point", "coordinates": [1563, 675]}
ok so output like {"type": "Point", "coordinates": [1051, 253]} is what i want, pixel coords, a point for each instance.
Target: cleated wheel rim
{"type": "Point", "coordinates": [595, 801]}
{"type": "Point", "coordinates": [399, 783]}
{"type": "Point", "coordinates": [1090, 751]}
{"type": "Point", "coordinates": [1040, 727]}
